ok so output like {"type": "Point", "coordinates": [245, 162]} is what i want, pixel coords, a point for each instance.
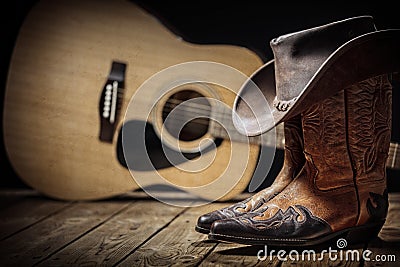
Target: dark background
{"type": "Point", "coordinates": [251, 24]}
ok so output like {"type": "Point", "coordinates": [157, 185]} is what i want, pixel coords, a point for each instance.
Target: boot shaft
{"type": "Point", "coordinates": [350, 132]}
{"type": "Point", "coordinates": [346, 143]}
{"type": "Point", "coordinates": [294, 146]}
{"type": "Point", "coordinates": [325, 144]}
{"type": "Point", "coordinates": [369, 106]}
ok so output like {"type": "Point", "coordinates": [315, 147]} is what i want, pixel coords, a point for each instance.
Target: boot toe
{"type": "Point", "coordinates": [231, 230]}
{"type": "Point", "coordinates": [227, 227]}
{"type": "Point", "coordinates": [205, 221]}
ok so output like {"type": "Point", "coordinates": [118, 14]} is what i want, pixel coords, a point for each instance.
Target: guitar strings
{"type": "Point", "coordinates": [181, 113]}
{"type": "Point", "coordinates": [172, 101]}
{"type": "Point", "coordinates": [181, 116]}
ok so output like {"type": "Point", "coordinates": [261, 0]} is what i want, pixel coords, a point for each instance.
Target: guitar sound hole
{"type": "Point", "coordinates": [186, 115]}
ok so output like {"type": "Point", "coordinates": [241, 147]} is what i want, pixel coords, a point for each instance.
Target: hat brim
{"type": "Point", "coordinates": [363, 57]}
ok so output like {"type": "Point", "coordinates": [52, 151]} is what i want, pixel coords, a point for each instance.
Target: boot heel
{"type": "Point", "coordinates": [364, 233]}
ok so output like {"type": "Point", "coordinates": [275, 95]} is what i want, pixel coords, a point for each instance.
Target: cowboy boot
{"type": "Point", "coordinates": [293, 162]}
{"type": "Point", "coordinates": [341, 191]}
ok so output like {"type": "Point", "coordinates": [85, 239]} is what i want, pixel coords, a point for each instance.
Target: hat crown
{"type": "Point", "coordinates": [299, 55]}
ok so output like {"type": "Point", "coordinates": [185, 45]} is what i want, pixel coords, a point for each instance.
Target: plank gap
{"type": "Point", "coordinates": [117, 237]}
{"type": "Point", "coordinates": [84, 233]}
{"type": "Point", "coordinates": [38, 221]}
{"type": "Point", "coordinates": [207, 254]}
{"type": "Point", "coordinates": [176, 244]}
{"type": "Point", "coordinates": [151, 236]}
{"type": "Point", "coordinates": [30, 246]}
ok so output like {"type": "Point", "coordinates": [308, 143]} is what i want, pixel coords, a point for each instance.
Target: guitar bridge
{"type": "Point", "coordinates": [111, 100]}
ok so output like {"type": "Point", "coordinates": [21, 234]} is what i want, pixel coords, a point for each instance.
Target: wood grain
{"type": "Point", "coordinates": [50, 235]}
{"type": "Point", "coordinates": [136, 230]}
{"type": "Point", "coordinates": [324, 260]}
{"type": "Point", "coordinates": [229, 254]}
{"type": "Point", "coordinates": [33, 209]}
{"type": "Point", "coordinates": [117, 237]}
{"type": "Point", "coordinates": [177, 245]}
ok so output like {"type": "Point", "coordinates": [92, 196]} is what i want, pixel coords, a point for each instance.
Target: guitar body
{"type": "Point", "coordinates": [58, 71]}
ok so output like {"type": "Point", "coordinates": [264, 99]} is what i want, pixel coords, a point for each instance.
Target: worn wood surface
{"type": "Point", "coordinates": [135, 230]}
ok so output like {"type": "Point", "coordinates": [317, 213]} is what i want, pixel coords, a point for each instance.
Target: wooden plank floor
{"type": "Point", "coordinates": [136, 230]}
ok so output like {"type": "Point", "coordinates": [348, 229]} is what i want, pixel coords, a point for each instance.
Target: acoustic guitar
{"type": "Point", "coordinates": [71, 131]}
{"type": "Point", "coordinates": [75, 67]}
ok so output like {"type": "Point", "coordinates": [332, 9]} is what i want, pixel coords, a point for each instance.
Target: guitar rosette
{"type": "Point", "coordinates": [179, 140]}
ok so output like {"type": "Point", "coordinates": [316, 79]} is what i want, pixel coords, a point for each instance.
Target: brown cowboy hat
{"type": "Point", "coordinates": [312, 65]}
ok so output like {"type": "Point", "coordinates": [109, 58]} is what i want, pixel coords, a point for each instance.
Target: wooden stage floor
{"type": "Point", "coordinates": [135, 230]}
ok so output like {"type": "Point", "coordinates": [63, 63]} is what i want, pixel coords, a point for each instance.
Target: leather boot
{"type": "Point", "coordinates": [293, 162]}
{"type": "Point", "coordinates": [341, 191]}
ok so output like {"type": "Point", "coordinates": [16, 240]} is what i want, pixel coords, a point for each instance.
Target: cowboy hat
{"type": "Point", "coordinates": [312, 65]}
